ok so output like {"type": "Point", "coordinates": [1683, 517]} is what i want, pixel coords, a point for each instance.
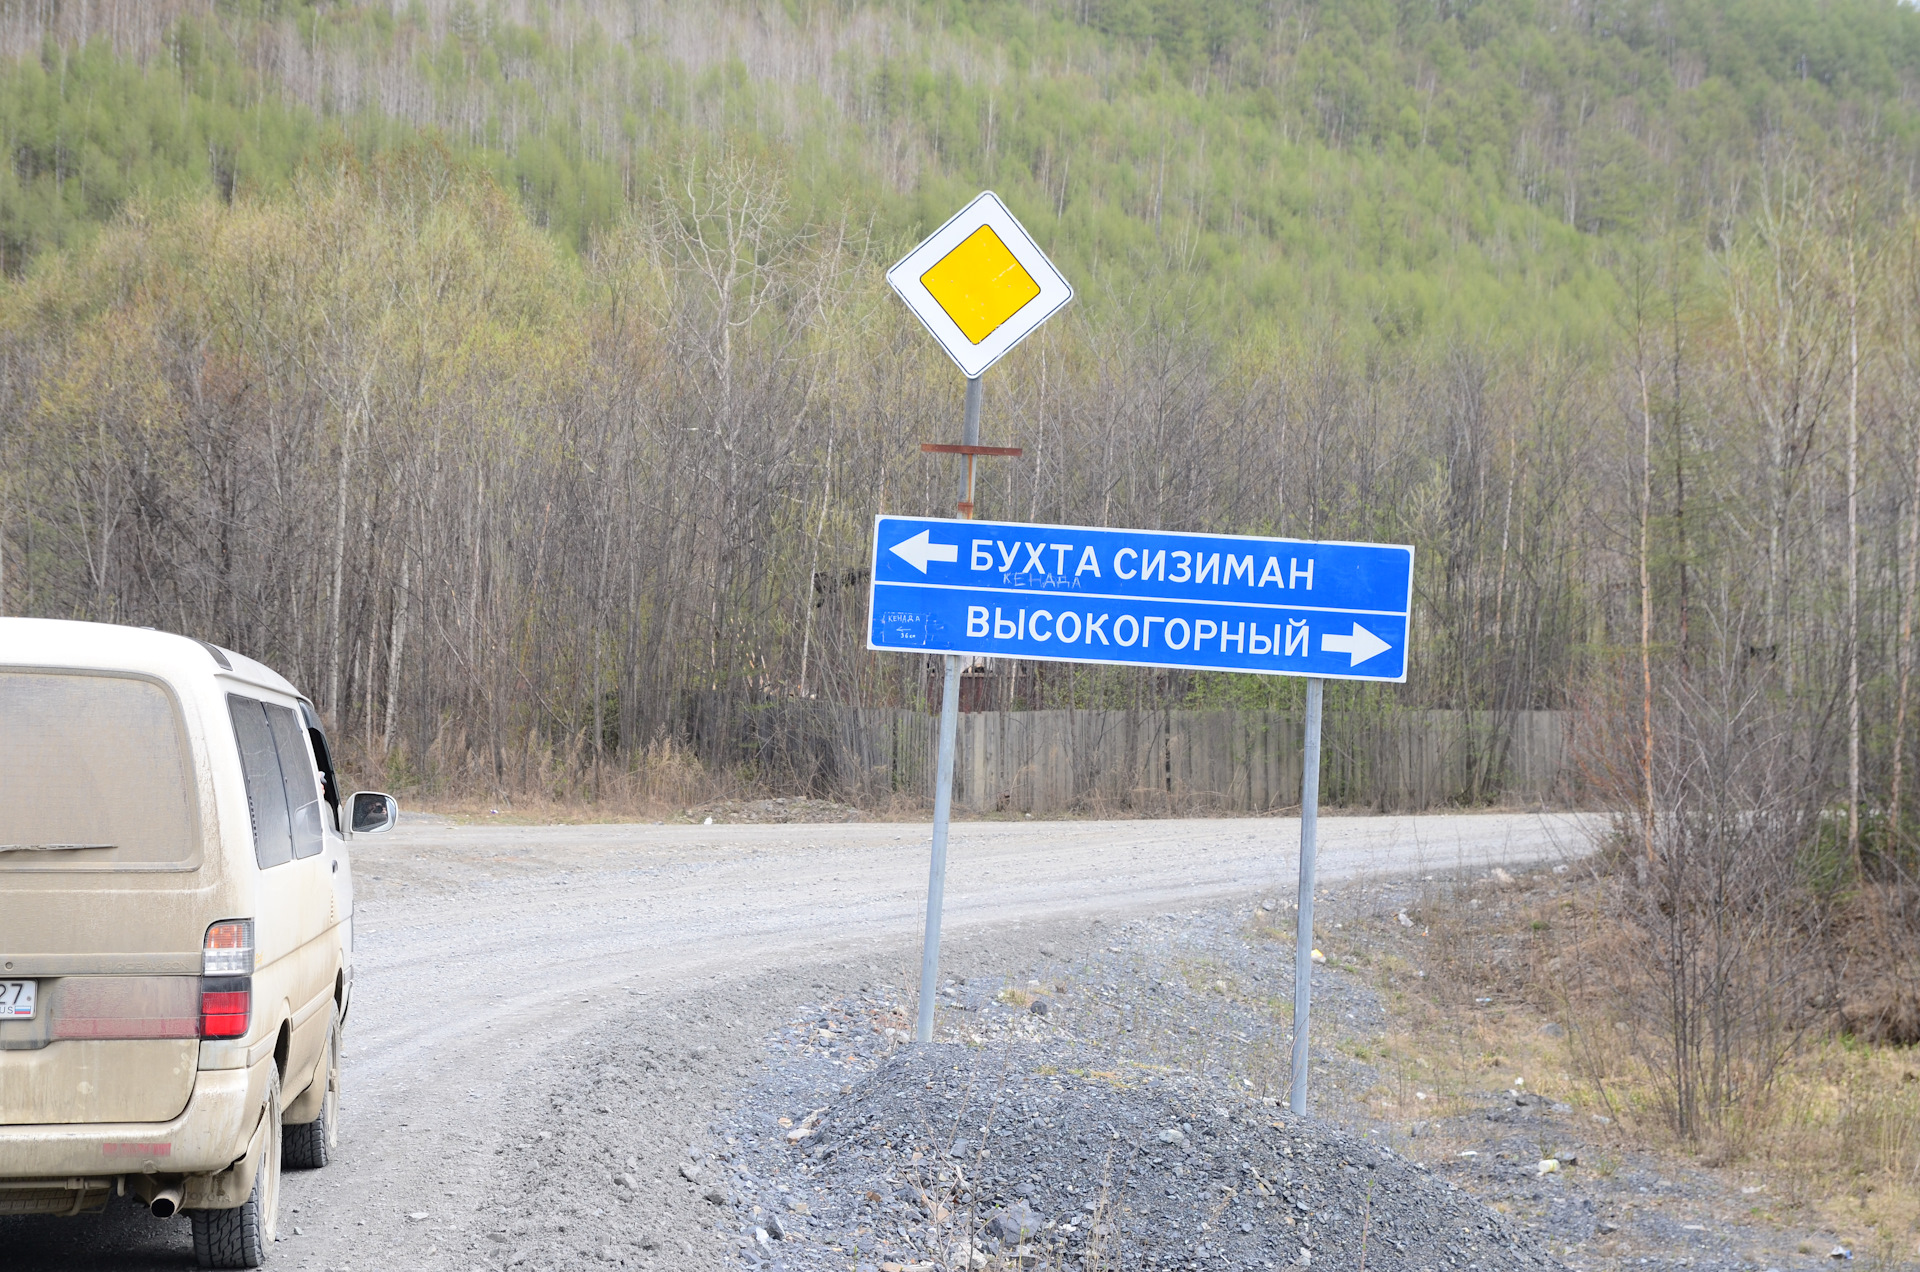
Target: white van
{"type": "Point", "coordinates": [176, 930]}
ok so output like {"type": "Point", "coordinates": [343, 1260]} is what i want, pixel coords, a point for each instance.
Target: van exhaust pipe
{"type": "Point", "coordinates": [165, 1203]}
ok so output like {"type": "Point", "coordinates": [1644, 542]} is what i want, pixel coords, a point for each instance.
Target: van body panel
{"type": "Point", "coordinates": [307, 1020]}
{"type": "Point", "coordinates": [93, 1080]}
{"type": "Point", "coordinates": [306, 1106]}
{"type": "Point", "coordinates": [229, 1188]}
{"type": "Point", "coordinates": [105, 1007]}
{"type": "Point", "coordinates": [37, 965]}
{"type": "Point", "coordinates": [208, 1135]}
{"type": "Point", "coordinates": [297, 972]}
{"type": "Point", "coordinates": [52, 925]}
{"type": "Point", "coordinates": [236, 1053]}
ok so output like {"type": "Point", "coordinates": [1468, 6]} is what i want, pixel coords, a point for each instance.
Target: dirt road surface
{"type": "Point", "coordinates": [540, 1010]}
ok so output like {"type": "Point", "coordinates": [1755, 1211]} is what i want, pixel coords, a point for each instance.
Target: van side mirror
{"type": "Point", "coordinates": [372, 812]}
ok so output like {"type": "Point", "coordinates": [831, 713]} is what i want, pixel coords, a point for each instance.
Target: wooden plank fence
{"type": "Point", "coordinates": [1171, 761]}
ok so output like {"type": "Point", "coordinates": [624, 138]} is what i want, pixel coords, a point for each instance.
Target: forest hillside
{"type": "Point", "coordinates": [1406, 169]}
{"type": "Point", "coordinates": [520, 376]}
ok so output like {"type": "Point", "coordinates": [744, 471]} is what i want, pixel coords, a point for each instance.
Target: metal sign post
{"type": "Point", "coordinates": [937, 868]}
{"type": "Point", "coordinates": [980, 285]}
{"type": "Point", "coordinates": [949, 731]}
{"type": "Point", "coordinates": [1303, 932]}
{"type": "Point", "coordinates": [943, 767]}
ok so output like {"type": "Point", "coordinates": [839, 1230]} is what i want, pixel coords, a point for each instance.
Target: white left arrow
{"type": "Point", "coordinates": [1362, 645]}
{"type": "Point", "coordinates": [919, 550]}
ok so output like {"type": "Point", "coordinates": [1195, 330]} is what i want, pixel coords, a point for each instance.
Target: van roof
{"type": "Point", "coordinates": [53, 642]}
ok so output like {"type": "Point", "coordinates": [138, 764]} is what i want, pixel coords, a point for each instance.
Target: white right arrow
{"type": "Point", "coordinates": [920, 549]}
{"type": "Point", "coordinates": [1363, 645]}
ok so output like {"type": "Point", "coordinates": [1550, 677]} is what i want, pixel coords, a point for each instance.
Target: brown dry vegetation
{"type": "Point", "coordinates": [1822, 1125]}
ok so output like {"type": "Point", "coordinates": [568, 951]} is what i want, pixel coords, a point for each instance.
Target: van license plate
{"type": "Point", "coordinates": [16, 1000]}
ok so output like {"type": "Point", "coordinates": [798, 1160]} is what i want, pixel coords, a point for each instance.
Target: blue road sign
{"type": "Point", "coordinates": [1145, 598]}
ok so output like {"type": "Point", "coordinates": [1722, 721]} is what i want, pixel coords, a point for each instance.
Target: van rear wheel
{"type": "Point", "coordinates": [243, 1236]}
{"type": "Point", "coordinates": [310, 1145]}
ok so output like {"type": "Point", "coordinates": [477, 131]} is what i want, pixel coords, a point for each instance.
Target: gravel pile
{"type": "Point", "coordinates": [962, 1157]}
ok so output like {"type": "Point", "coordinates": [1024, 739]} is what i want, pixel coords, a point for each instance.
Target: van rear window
{"type": "Point", "coordinates": [94, 774]}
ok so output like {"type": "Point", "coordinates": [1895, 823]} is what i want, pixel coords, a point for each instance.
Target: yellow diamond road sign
{"type": "Point", "coordinates": [980, 284]}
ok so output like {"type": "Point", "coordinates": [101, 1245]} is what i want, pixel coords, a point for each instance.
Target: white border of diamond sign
{"type": "Point", "coordinates": [972, 358]}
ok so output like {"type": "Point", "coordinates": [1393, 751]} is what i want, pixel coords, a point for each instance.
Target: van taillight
{"type": "Point", "coordinates": [226, 1002]}
{"type": "Point", "coordinates": [228, 950]}
{"type": "Point", "coordinates": [226, 980]}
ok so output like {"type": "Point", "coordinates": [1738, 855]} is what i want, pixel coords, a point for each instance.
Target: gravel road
{"type": "Point", "coordinates": [547, 1020]}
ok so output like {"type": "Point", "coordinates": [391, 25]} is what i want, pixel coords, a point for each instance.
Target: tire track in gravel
{"type": "Point", "coordinates": [491, 959]}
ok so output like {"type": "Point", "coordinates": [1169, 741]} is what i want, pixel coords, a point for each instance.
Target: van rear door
{"type": "Point", "coordinates": [102, 898]}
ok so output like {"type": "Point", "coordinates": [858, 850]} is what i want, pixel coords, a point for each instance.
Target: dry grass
{"type": "Point", "coordinates": [546, 785]}
{"type": "Point", "coordinates": [1834, 1139]}
{"type": "Point", "coordinates": [537, 811]}
{"type": "Point", "coordinates": [1844, 1138]}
